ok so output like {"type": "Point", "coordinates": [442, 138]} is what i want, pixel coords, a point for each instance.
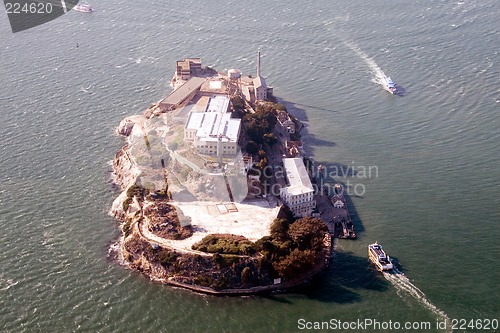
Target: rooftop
{"type": "Point", "coordinates": [186, 63]}
{"type": "Point", "coordinates": [218, 103]}
{"type": "Point", "coordinates": [180, 94]}
{"type": "Point", "coordinates": [259, 82]}
{"type": "Point", "coordinates": [297, 175]}
{"type": "Point", "coordinates": [215, 121]}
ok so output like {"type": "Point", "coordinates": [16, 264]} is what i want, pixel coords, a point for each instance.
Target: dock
{"type": "Point", "coordinates": [335, 217]}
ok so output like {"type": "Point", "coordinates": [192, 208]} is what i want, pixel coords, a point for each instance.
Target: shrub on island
{"type": "Point", "coordinates": [291, 249]}
{"type": "Point", "coordinates": [225, 244]}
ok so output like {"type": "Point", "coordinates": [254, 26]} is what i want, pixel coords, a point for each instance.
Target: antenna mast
{"type": "Point", "coordinates": [258, 64]}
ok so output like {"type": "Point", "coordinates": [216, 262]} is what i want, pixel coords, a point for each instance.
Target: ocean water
{"type": "Point", "coordinates": [433, 201]}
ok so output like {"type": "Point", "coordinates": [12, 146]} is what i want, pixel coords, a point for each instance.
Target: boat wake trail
{"type": "Point", "coordinates": [403, 285]}
{"type": "Point", "coordinates": [6, 284]}
{"type": "Point", "coordinates": [372, 65]}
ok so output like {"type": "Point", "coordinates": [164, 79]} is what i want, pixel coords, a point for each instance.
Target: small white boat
{"type": "Point", "coordinates": [84, 8]}
{"type": "Point", "coordinates": [377, 255]}
{"type": "Point", "coordinates": [389, 85]}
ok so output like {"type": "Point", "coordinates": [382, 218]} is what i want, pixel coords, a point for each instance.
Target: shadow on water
{"type": "Point", "coordinates": [397, 265]}
{"type": "Point", "coordinates": [315, 107]}
{"type": "Point", "coordinates": [346, 275]}
{"type": "Point", "coordinates": [276, 298]}
{"type": "Point", "coordinates": [400, 91]}
{"type": "Point", "coordinates": [308, 139]}
{"type": "Point", "coordinates": [311, 140]}
{"type": "Point", "coordinates": [333, 172]}
{"type": "Point", "coordinates": [356, 219]}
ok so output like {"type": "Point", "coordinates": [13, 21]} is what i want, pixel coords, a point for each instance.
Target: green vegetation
{"type": "Point", "coordinates": [308, 233]}
{"type": "Point", "coordinates": [293, 247]}
{"type": "Point", "coordinates": [279, 107]}
{"type": "Point", "coordinates": [260, 123]}
{"type": "Point", "coordinates": [258, 127]}
{"type": "Point", "coordinates": [127, 226]}
{"type": "Point", "coordinates": [166, 257]}
{"type": "Point", "coordinates": [225, 260]}
{"type": "Point", "coordinates": [279, 229]}
{"type": "Point", "coordinates": [208, 281]}
{"type": "Point", "coordinates": [252, 147]}
{"type": "Point", "coordinates": [246, 276]}
{"type": "Point", "coordinates": [166, 221]}
{"type": "Point", "coordinates": [239, 107]}
{"type": "Point", "coordinates": [295, 263]}
{"type": "Point", "coordinates": [225, 244]}
{"type": "Point", "coordinates": [134, 191]}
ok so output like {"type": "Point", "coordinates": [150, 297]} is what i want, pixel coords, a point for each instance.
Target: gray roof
{"type": "Point", "coordinates": [259, 82]}
{"type": "Point", "coordinates": [178, 95]}
{"type": "Point", "coordinates": [216, 121]}
{"type": "Point", "coordinates": [297, 176]}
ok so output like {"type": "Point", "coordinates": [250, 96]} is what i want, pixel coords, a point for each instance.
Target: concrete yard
{"type": "Point", "coordinates": [249, 219]}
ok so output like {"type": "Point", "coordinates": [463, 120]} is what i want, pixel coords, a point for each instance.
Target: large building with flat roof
{"type": "Point", "coordinates": [182, 95]}
{"type": "Point", "coordinates": [213, 129]}
{"type": "Point", "coordinates": [299, 194]}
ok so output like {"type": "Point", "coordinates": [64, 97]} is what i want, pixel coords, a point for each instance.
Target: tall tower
{"type": "Point", "coordinates": [258, 64]}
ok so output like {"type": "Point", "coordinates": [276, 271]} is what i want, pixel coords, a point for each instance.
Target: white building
{"type": "Point", "coordinates": [338, 203]}
{"type": "Point", "coordinates": [299, 194]}
{"type": "Point", "coordinates": [256, 89]}
{"type": "Point", "coordinates": [213, 129]}
{"type": "Point", "coordinates": [260, 88]}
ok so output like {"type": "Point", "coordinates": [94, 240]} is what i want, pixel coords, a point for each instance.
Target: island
{"type": "Point", "coordinates": [216, 192]}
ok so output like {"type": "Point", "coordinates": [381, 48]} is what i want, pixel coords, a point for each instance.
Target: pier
{"type": "Point", "coordinates": [336, 217]}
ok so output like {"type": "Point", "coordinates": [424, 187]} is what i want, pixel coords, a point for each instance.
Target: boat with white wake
{"type": "Point", "coordinates": [389, 85]}
{"type": "Point", "coordinates": [378, 256]}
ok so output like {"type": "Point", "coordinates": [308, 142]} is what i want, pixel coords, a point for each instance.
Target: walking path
{"type": "Point", "coordinates": [250, 219]}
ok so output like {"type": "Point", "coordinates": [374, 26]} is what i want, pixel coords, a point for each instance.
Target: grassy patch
{"type": "Point", "coordinates": [225, 244]}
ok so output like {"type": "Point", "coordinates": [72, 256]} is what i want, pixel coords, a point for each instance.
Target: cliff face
{"type": "Point", "coordinates": [125, 175]}
{"type": "Point", "coordinates": [125, 169]}
{"type": "Point", "coordinates": [125, 128]}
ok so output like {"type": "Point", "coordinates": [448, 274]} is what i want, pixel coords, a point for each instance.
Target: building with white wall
{"type": "Point", "coordinates": [213, 130]}
{"type": "Point", "coordinates": [260, 88]}
{"type": "Point", "coordinates": [299, 194]}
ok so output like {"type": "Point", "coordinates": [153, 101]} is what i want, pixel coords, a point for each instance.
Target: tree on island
{"type": "Point", "coordinates": [305, 241]}
{"type": "Point", "coordinates": [308, 233]}
{"type": "Point", "coordinates": [260, 123]}
{"type": "Point", "coordinates": [252, 147]}
{"type": "Point", "coordinates": [239, 106]}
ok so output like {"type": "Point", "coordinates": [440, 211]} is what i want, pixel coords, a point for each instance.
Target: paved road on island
{"type": "Point", "coordinates": [179, 245]}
